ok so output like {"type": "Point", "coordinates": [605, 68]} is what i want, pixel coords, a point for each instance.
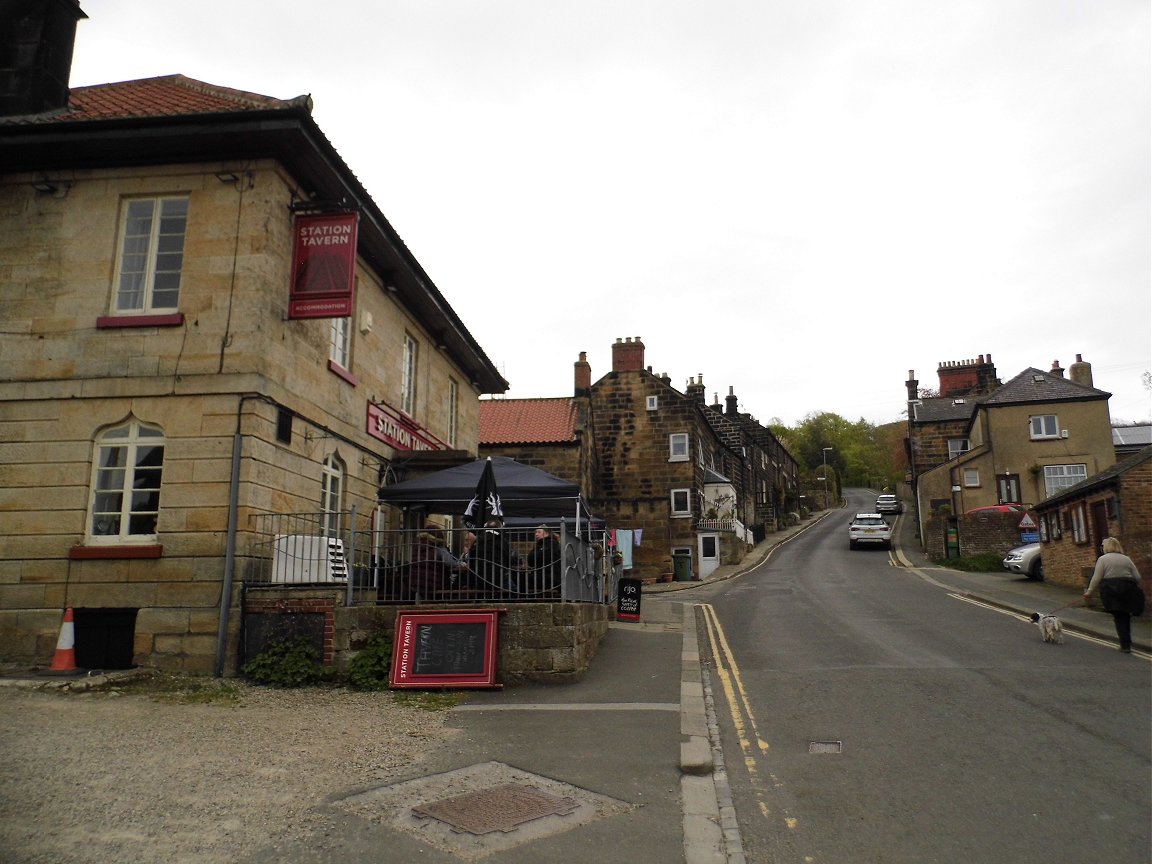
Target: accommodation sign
{"type": "Point", "coordinates": [397, 431]}
{"type": "Point", "coordinates": [323, 265]}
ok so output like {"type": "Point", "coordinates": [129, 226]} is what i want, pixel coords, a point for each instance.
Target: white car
{"type": "Point", "coordinates": [1025, 560]}
{"type": "Point", "coordinates": [888, 504]}
{"type": "Point", "coordinates": [869, 528]}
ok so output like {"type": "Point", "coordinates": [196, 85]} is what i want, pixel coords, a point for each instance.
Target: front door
{"type": "Point", "coordinates": [1008, 489]}
{"type": "Point", "coordinates": [709, 553]}
{"type": "Point", "coordinates": [1099, 524]}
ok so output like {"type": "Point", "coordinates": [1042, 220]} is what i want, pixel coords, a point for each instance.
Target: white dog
{"type": "Point", "coordinates": [1050, 627]}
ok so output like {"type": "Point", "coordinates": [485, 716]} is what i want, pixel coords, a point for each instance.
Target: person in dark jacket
{"type": "Point", "coordinates": [544, 561]}
{"type": "Point", "coordinates": [1118, 581]}
{"type": "Point", "coordinates": [432, 564]}
{"type": "Point", "coordinates": [493, 561]}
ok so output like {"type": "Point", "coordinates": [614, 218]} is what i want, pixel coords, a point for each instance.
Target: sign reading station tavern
{"type": "Point", "coordinates": [323, 265]}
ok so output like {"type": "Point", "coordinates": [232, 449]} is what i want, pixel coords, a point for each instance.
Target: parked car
{"type": "Point", "coordinates": [869, 528]}
{"type": "Point", "coordinates": [1025, 560]}
{"type": "Point", "coordinates": [888, 504]}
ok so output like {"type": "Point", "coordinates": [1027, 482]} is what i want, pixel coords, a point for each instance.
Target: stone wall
{"type": "Point", "coordinates": [543, 642]}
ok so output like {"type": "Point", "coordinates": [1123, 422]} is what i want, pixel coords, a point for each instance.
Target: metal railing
{"type": "Point", "coordinates": [378, 565]}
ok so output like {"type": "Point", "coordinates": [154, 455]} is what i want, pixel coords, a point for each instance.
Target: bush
{"type": "Point", "coordinates": [287, 663]}
{"type": "Point", "coordinates": [370, 669]}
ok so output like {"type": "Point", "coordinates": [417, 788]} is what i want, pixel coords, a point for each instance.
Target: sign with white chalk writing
{"type": "Point", "coordinates": [436, 649]}
{"type": "Point", "coordinates": [628, 600]}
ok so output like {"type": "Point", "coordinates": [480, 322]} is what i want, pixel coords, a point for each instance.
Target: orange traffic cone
{"type": "Point", "coordinates": [65, 657]}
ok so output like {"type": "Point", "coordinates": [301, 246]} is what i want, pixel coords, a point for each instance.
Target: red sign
{"type": "Point", "coordinates": [435, 649]}
{"type": "Point", "coordinates": [397, 431]}
{"type": "Point", "coordinates": [323, 265]}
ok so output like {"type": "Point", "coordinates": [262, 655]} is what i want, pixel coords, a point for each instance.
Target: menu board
{"type": "Point", "coordinates": [437, 649]}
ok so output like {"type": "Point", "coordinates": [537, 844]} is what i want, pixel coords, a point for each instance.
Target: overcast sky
{"type": "Point", "coordinates": [801, 200]}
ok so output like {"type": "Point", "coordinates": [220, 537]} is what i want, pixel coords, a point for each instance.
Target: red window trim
{"type": "Point", "coordinates": [338, 370]}
{"type": "Point", "coordinates": [85, 553]}
{"type": "Point", "coordinates": [173, 319]}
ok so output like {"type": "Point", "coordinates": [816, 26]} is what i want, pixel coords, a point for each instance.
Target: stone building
{"type": "Point", "coordinates": [159, 388]}
{"type": "Point", "coordinates": [981, 442]}
{"type": "Point", "coordinates": [677, 476]}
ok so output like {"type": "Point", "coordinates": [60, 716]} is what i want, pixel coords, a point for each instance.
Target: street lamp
{"type": "Point", "coordinates": [824, 459]}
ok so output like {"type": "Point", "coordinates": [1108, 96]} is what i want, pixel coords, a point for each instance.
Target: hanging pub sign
{"type": "Point", "coordinates": [323, 265]}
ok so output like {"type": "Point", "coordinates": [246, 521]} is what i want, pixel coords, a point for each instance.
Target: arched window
{"type": "Point", "coordinates": [332, 493]}
{"type": "Point", "coordinates": [129, 466]}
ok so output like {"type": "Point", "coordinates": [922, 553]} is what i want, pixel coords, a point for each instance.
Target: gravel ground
{"type": "Point", "coordinates": [140, 773]}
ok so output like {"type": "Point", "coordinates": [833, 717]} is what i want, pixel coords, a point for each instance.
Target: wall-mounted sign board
{"type": "Point", "coordinates": [436, 649]}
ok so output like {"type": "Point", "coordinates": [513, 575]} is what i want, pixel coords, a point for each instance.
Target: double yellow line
{"type": "Point", "coordinates": [752, 746]}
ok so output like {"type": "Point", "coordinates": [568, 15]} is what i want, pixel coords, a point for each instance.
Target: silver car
{"type": "Point", "coordinates": [1026, 561]}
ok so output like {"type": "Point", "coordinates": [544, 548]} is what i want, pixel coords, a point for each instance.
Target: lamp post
{"type": "Point", "coordinates": [824, 458]}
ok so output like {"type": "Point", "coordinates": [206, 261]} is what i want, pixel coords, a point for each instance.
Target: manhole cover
{"type": "Point", "coordinates": [825, 746]}
{"type": "Point", "coordinates": [500, 808]}
{"type": "Point", "coordinates": [482, 810]}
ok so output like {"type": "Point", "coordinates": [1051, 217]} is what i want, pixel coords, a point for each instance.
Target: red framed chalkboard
{"type": "Point", "coordinates": [436, 649]}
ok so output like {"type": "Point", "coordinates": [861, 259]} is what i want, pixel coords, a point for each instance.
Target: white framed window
{"type": "Point", "coordinates": [453, 407]}
{"type": "Point", "coordinates": [408, 376]}
{"type": "Point", "coordinates": [971, 477]}
{"type": "Point", "coordinates": [129, 466]}
{"type": "Point", "coordinates": [1057, 477]}
{"type": "Point", "coordinates": [1043, 528]}
{"type": "Point", "coordinates": [151, 254]}
{"type": "Point", "coordinates": [956, 446]}
{"type": "Point", "coordinates": [1043, 426]}
{"type": "Point", "coordinates": [332, 493]}
{"type": "Point", "coordinates": [652, 403]}
{"type": "Point", "coordinates": [681, 502]}
{"type": "Point", "coordinates": [341, 339]}
{"type": "Point", "coordinates": [678, 447]}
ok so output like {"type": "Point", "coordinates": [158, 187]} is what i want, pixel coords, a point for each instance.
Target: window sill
{"type": "Point", "coordinates": [109, 553]}
{"type": "Point", "coordinates": [110, 322]}
{"type": "Point", "coordinates": [340, 372]}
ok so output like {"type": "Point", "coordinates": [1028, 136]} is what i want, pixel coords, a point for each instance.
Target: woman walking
{"type": "Point", "coordinates": [1118, 581]}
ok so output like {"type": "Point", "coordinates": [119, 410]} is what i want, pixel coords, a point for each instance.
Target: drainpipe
{"type": "Point", "coordinates": [230, 551]}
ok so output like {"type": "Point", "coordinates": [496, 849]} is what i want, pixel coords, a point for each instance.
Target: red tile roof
{"type": "Point", "coordinates": [167, 96]}
{"type": "Point", "coordinates": [527, 421]}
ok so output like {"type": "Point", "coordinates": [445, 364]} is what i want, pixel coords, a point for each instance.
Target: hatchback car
{"type": "Point", "coordinates": [1025, 560]}
{"type": "Point", "coordinates": [869, 528]}
{"type": "Point", "coordinates": [888, 504]}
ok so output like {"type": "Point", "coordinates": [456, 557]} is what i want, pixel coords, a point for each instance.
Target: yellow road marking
{"type": "Point", "coordinates": [752, 744]}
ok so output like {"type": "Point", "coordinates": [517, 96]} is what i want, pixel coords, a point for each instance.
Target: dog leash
{"type": "Point", "coordinates": [1065, 606]}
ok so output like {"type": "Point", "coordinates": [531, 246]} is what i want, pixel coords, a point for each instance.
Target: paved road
{"type": "Point", "coordinates": [872, 712]}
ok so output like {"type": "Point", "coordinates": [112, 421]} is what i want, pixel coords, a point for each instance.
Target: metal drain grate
{"type": "Point", "coordinates": [500, 808]}
{"type": "Point", "coordinates": [825, 746]}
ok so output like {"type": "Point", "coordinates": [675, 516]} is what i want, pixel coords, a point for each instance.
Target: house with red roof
{"type": "Point", "coordinates": [209, 326]}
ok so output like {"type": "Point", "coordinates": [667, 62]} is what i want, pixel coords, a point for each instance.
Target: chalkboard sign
{"type": "Point", "coordinates": [628, 600]}
{"type": "Point", "coordinates": [437, 649]}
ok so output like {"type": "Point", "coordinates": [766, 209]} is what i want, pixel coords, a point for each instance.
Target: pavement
{"type": "Point", "coordinates": [624, 765]}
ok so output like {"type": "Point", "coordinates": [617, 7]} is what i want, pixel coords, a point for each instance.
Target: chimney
{"type": "Point", "coordinates": [1081, 372]}
{"type": "Point", "coordinates": [695, 389]}
{"type": "Point", "coordinates": [967, 377]}
{"type": "Point", "coordinates": [1056, 369]}
{"type": "Point", "coordinates": [583, 375]}
{"type": "Point", "coordinates": [716, 406]}
{"type": "Point", "coordinates": [913, 386]}
{"type": "Point", "coordinates": [730, 408]}
{"type": "Point", "coordinates": [628, 355]}
{"type": "Point", "coordinates": [36, 44]}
